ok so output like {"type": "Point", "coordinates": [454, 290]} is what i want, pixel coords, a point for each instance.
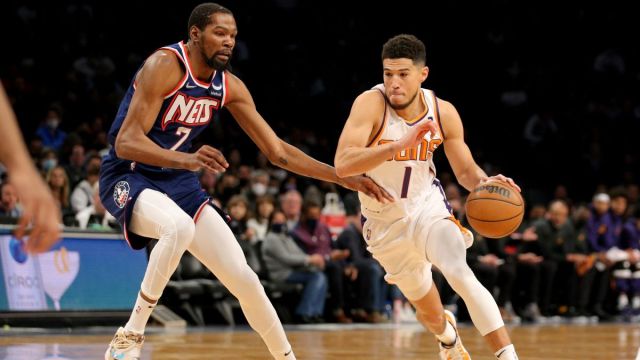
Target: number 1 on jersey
{"type": "Point", "coordinates": [183, 132]}
{"type": "Point", "coordinates": [405, 182]}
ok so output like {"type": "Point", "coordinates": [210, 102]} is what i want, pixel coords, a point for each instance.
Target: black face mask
{"type": "Point", "coordinates": [312, 223]}
{"type": "Point", "coordinates": [278, 228]}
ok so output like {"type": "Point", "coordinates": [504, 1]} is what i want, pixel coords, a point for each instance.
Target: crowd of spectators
{"type": "Point", "coordinates": [565, 103]}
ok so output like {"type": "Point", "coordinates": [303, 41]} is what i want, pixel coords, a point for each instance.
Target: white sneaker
{"type": "Point", "coordinates": [126, 345]}
{"type": "Point", "coordinates": [456, 351]}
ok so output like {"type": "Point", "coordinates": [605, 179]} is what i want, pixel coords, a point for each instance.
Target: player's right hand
{"type": "Point", "coordinates": [206, 157]}
{"type": "Point", "coordinates": [416, 134]}
{"type": "Point", "coordinates": [39, 209]}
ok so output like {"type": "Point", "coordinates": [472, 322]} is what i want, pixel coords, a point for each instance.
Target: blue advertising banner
{"type": "Point", "coordinates": [84, 271]}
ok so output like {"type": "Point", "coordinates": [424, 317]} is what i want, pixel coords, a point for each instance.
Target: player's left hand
{"type": "Point", "coordinates": [368, 187]}
{"type": "Point", "coordinates": [502, 178]}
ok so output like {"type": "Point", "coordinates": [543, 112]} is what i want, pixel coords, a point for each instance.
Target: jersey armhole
{"type": "Point", "coordinates": [382, 125]}
{"type": "Point", "coordinates": [186, 72]}
{"type": "Point", "coordinates": [225, 87]}
{"type": "Point", "coordinates": [437, 114]}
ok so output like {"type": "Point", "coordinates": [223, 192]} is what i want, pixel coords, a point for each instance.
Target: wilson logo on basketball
{"type": "Point", "coordinates": [491, 189]}
{"type": "Point", "coordinates": [189, 110]}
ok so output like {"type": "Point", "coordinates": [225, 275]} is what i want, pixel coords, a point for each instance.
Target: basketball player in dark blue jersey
{"type": "Point", "coordinates": [148, 181]}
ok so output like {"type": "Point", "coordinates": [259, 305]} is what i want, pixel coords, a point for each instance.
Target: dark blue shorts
{"type": "Point", "coordinates": [120, 187]}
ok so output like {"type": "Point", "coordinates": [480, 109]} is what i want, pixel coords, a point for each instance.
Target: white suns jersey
{"type": "Point", "coordinates": [409, 176]}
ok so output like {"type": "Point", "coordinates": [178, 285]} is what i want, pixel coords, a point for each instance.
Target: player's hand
{"type": "Point", "coordinates": [365, 185]}
{"type": "Point", "coordinates": [206, 157]}
{"type": "Point", "coordinates": [39, 209]}
{"type": "Point", "coordinates": [416, 134]}
{"type": "Point", "coordinates": [503, 179]}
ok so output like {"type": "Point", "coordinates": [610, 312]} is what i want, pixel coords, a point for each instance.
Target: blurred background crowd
{"type": "Point", "coordinates": [549, 97]}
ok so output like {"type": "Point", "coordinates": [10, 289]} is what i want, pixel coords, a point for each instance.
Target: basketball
{"type": "Point", "coordinates": [494, 209]}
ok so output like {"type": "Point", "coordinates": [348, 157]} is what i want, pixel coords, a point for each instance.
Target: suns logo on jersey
{"type": "Point", "coordinates": [190, 111]}
{"type": "Point", "coordinates": [422, 152]}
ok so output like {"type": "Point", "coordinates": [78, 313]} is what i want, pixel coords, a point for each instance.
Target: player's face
{"type": "Point", "coordinates": [217, 40]}
{"type": "Point", "coordinates": [402, 80]}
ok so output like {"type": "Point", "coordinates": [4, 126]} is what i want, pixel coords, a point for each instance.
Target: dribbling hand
{"type": "Point", "coordinates": [206, 157]}
{"type": "Point", "coordinates": [503, 179]}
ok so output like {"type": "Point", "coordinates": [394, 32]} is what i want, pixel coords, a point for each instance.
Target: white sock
{"type": "Point", "coordinates": [635, 302]}
{"type": "Point", "coordinates": [448, 336]}
{"type": "Point", "coordinates": [140, 315]}
{"type": "Point", "coordinates": [507, 353]}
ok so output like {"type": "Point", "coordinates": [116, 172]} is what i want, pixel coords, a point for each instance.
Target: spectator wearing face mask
{"type": "Point", "coordinates": [260, 222]}
{"type": "Point", "coordinates": [314, 238]}
{"type": "Point", "coordinates": [286, 261]}
{"type": "Point", "coordinates": [258, 185]}
{"type": "Point", "coordinates": [49, 132]}
{"type": "Point", "coordinates": [48, 161]}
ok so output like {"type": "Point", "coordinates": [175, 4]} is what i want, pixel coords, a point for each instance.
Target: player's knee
{"type": "Point", "coordinates": [413, 284]}
{"type": "Point", "coordinates": [457, 274]}
{"type": "Point", "coordinates": [244, 283]}
{"type": "Point", "coordinates": [180, 228]}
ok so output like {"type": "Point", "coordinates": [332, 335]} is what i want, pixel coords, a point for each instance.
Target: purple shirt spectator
{"type": "Point", "coordinates": [629, 235]}
{"type": "Point", "coordinates": [600, 236]}
{"type": "Point", "coordinates": [317, 241]}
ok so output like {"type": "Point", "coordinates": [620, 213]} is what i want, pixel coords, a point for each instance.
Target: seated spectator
{"type": "Point", "coordinates": [75, 169]}
{"type": "Point", "coordinates": [600, 239]}
{"type": "Point", "coordinates": [627, 272]}
{"type": "Point", "coordinates": [95, 216]}
{"type": "Point", "coordinates": [559, 240]}
{"type": "Point", "coordinates": [238, 209]}
{"type": "Point", "coordinates": [48, 161]}
{"type": "Point", "coordinates": [260, 223]}
{"type": "Point", "coordinates": [82, 196]}
{"type": "Point", "coordinates": [315, 239]}
{"type": "Point", "coordinates": [9, 207]}
{"type": "Point", "coordinates": [291, 205]}
{"type": "Point", "coordinates": [286, 261]}
{"type": "Point", "coordinates": [368, 275]}
{"type": "Point", "coordinates": [49, 131]}
{"type": "Point", "coordinates": [59, 185]}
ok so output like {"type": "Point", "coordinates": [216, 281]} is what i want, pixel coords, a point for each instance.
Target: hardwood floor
{"type": "Point", "coordinates": [328, 342]}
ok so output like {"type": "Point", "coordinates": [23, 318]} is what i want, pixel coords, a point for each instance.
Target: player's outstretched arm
{"type": "Point", "coordinates": [468, 173]}
{"type": "Point", "coordinates": [38, 205]}
{"type": "Point", "coordinates": [353, 156]}
{"type": "Point", "coordinates": [160, 74]}
{"type": "Point", "coordinates": [241, 105]}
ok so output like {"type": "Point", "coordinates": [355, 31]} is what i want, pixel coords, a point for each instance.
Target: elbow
{"type": "Point", "coordinates": [341, 170]}
{"type": "Point", "coordinates": [277, 155]}
{"type": "Point", "coordinates": [122, 147]}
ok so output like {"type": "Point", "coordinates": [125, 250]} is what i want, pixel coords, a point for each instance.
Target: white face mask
{"type": "Point", "coordinates": [49, 164]}
{"type": "Point", "coordinates": [53, 123]}
{"type": "Point", "coordinates": [259, 189]}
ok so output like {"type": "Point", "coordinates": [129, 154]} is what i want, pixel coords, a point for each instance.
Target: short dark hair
{"type": "Point", "coordinates": [201, 15]}
{"type": "Point", "coordinates": [405, 46]}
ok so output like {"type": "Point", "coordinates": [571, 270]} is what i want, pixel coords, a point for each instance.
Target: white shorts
{"type": "Point", "coordinates": [400, 244]}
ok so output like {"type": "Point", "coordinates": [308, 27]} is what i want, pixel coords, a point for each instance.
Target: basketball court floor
{"type": "Point", "coordinates": [326, 342]}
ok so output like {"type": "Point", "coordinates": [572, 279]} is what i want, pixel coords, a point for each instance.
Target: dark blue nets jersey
{"type": "Point", "coordinates": [185, 113]}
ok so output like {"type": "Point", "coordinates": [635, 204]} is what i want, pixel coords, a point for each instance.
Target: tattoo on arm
{"type": "Point", "coordinates": [283, 161]}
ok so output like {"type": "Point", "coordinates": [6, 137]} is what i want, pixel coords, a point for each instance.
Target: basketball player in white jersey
{"type": "Point", "coordinates": [391, 135]}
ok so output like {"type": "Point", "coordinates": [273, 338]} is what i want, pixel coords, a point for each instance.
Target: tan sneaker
{"type": "Point", "coordinates": [126, 345]}
{"type": "Point", "coordinates": [456, 351]}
